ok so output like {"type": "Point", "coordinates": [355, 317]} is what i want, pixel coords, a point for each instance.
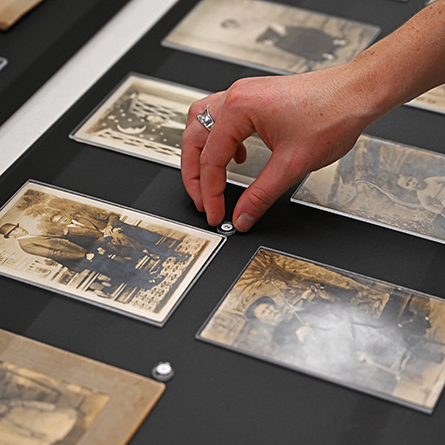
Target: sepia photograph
{"type": "Point", "coordinates": [121, 259]}
{"type": "Point", "coordinates": [12, 10]}
{"type": "Point", "coordinates": [370, 336]}
{"type": "Point", "coordinates": [432, 100]}
{"type": "Point", "coordinates": [53, 397]}
{"type": "Point", "coordinates": [145, 117]}
{"type": "Point", "coordinates": [270, 36]}
{"type": "Point", "coordinates": [385, 183]}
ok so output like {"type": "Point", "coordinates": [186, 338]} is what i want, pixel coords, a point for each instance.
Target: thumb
{"type": "Point", "coordinates": [272, 182]}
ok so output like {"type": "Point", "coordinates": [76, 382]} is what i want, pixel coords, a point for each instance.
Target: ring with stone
{"type": "Point", "coordinates": [206, 119]}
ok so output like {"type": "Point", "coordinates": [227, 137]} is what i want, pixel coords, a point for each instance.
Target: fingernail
{"type": "Point", "coordinates": [244, 222]}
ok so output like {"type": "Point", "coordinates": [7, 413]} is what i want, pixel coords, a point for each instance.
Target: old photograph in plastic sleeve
{"type": "Point", "coordinates": [371, 336]}
{"type": "Point", "coordinates": [118, 258]}
{"type": "Point", "coordinates": [274, 37]}
{"type": "Point", "coordinates": [145, 117]}
{"type": "Point", "coordinates": [384, 183]}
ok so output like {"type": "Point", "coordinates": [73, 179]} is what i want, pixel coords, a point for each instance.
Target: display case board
{"type": "Point", "coordinates": [42, 40]}
{"type": "Point", "coordinates": [218, 396]}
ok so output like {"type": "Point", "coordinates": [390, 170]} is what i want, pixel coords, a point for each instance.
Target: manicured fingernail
{"type": "Point", "coordinates": [244, 222]}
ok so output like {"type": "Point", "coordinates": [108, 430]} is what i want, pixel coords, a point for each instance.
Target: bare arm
{"type": "Point", "coordinates": [308, 120]}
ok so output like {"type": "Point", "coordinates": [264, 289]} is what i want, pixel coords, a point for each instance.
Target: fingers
{"type": "Point", "coordinates": [223, 144]}
{"type": "Point", "coordinates": [220, 148]}
{"type": "Point", "coordinates": [240, 154]}
{"type": "Point", "coordinates": [272, 182]}
{"type": "Point", "coordinates": [205, 156]}
{"type": "Point", "coordinates": [213, 184]}
{"type": "Point", "coordinates": [193, 140]}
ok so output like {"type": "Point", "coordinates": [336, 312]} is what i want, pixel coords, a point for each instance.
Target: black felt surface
{"type": "Point", "coordinates": [218, 396]}
{"type": "Point", "coordinates": [39, 43]}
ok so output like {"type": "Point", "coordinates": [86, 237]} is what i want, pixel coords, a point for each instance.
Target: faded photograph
{"type": "Point", "coordinates": [118, 258]}
{"type": "Point", "coordinates": [278, 38]}
{"type": "Point", "coordinates": [11, 11]}
{"type": "Point", "coordinates": [53, 397]}
{"type": "Point", "coordinates": [433, 100]}
{"type": "Point", "coordinates": [145, 117]}
{"type": "Point", "coordinates": [36, 409]}
{"type": "Point", "coordinates": [385, 183]}
{"type": "Point", "coordinates": [352, 330]}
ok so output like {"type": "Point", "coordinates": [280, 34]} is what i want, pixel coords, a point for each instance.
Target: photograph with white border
{"type": "Point", "coordinates": [385, 183]}
{"type": "Point", "coordinates": [270, 36]}
{"type": "Point", "coordinates": [145, 117]}
{"type": "Point", "coordinates": [115, 257]}
{"type": "Point", "coordinates": [346, 328]}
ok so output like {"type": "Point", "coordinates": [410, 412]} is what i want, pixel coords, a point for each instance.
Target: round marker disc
{"type": "Point", "coordinates": [226, 228]}
{"type": "Point", "coordinates": [163, 371]}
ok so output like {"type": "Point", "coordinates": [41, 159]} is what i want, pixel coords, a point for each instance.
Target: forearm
{"type": "Point", "coordinates": [404, 64]}
{"type": "Point", "coordinates": [307, 120]}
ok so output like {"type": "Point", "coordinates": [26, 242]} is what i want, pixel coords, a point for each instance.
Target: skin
{"type": "Point", "coordinates": [307, 120]}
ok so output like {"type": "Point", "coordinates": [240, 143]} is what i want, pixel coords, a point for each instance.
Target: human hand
{"type": "Point", "coordinates": [307, 120]}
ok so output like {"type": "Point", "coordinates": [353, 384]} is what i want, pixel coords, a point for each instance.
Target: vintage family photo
{"type": "Point", "coordinates": [145, 117]}
{"type": "Point", "coordinates": [371, 336]}
{"type": "Point", "coordinates": [385, 183]}
{"type": "Point", "coordinates": [270, 36]}
{"type": "Point", "coordinates": [52, 397]}
{"type": "Point", "coordinates": [433, 100]}
{"type": "Point", "coordinates": [127, 261]}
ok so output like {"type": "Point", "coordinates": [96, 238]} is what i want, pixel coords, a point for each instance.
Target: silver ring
{"type": "Point", "coordinates": [206, 119]}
